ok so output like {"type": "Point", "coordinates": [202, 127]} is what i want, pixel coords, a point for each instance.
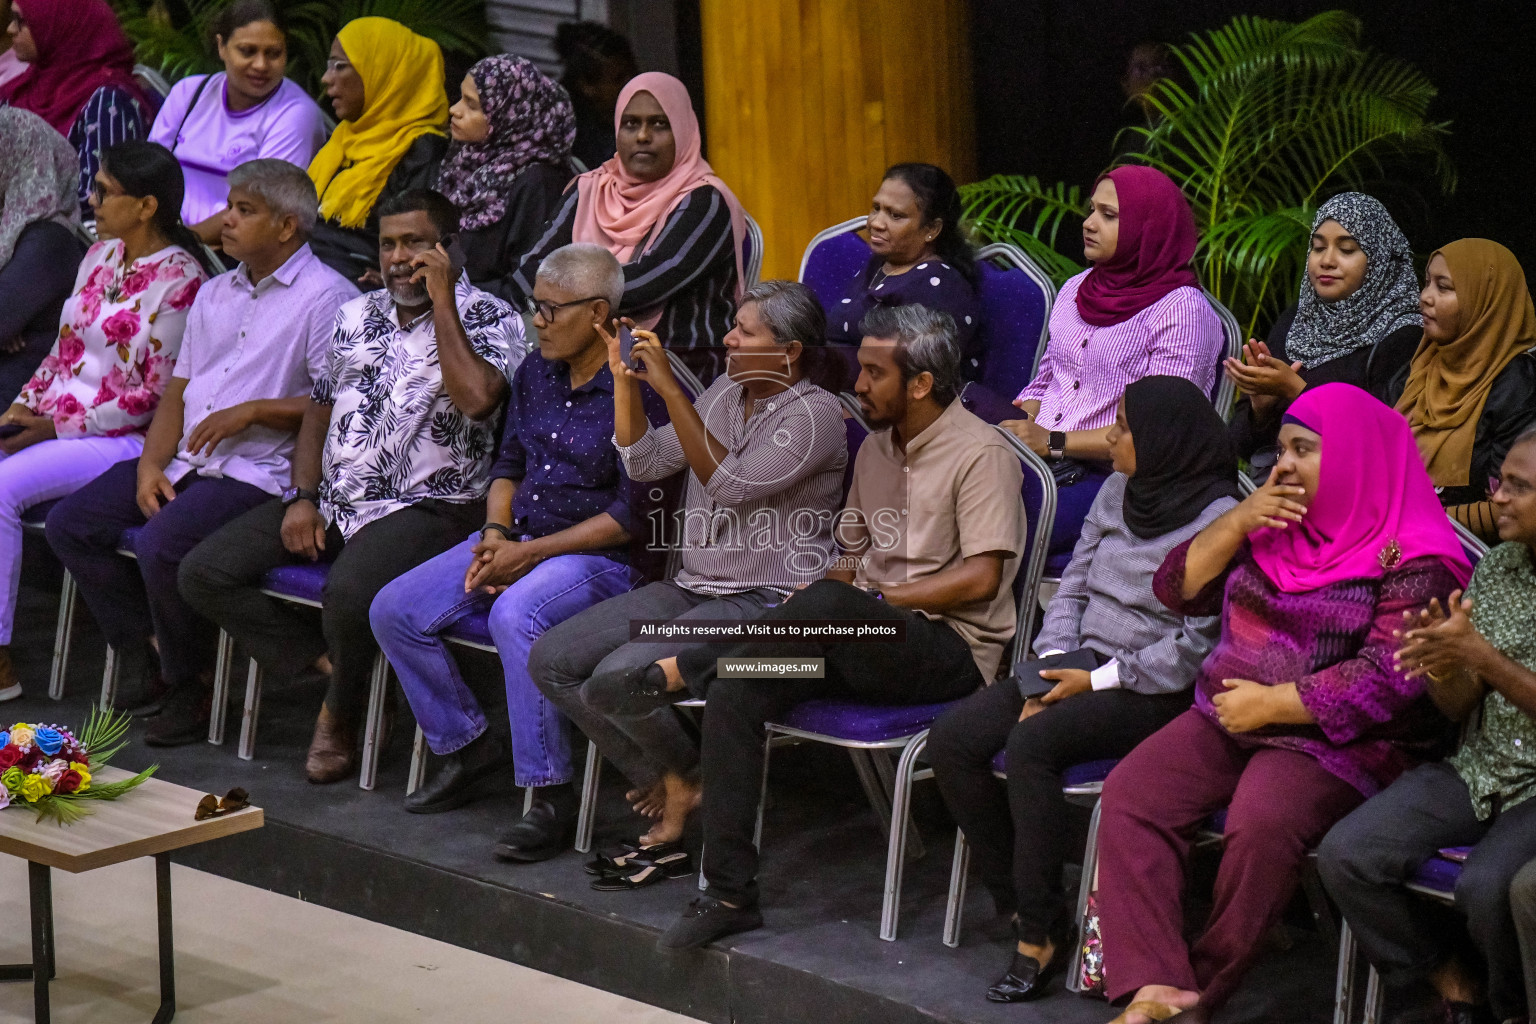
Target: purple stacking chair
{"type": "Point", "coordinates": [834, 256]}
{"type": "Point", "coordinates": [1016, 298]}
{"type": "Point", "coordinates": [751, 254]}
{"type": "Point", "coordinates": [473, 631]}
{"type": "Point", "coordinates": [864, 729]}
{"type": "Point", "coordinates": [34, 522]}
{"type": "Point", "coordinates": [1224, 392]}
{"type": "Point", "coordinates": [1080, 780]}
{"type": "Point", "coordinates": [1436, 880]}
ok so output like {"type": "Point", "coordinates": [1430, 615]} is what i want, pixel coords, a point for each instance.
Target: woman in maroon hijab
{"type": "Point", "coordinates": [1136, 312]}
{"type": "Point", "coordinates": [79, 77]}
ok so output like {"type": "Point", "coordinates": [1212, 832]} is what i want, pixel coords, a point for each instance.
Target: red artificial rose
{"type": "Point", "coordinates": [33, 757]}
{"type": "Point", "coordinates": [10, 755]}
{"type": "Point", "coordinates": [67, 783]}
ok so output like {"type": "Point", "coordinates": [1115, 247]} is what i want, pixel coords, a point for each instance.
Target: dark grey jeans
{"type": "Point", "coordinates": [1522, 903]}
{"type": "Point", "coordinates": [1368, 856]}
{"type": "Point", "coordinates": [583, 663]}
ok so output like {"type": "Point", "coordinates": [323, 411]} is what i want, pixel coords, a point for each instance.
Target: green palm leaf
{"type": "Point", "coordinates": [1269, 119]}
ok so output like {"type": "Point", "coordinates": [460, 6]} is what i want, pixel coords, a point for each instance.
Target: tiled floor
{"type": "Point", "coordinates": [286, 961]}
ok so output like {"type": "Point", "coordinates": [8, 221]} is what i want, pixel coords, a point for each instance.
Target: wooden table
{"type": "Point", "coordinates": [150, 821]}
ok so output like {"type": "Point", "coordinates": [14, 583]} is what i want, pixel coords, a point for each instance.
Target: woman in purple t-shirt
{"type": "Point", "coordinates": [214, 123]}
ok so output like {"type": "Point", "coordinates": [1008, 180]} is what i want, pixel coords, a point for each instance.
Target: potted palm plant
{"type": "Point", "coordinates": [1269, 119]}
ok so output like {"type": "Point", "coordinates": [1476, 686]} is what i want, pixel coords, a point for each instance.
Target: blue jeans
{"type": "Point", "coordinates": [410, 615]}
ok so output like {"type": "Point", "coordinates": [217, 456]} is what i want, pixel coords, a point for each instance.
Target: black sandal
{"type": "Point", "coordinates": [628, 858]}
{"type": "Point", "coordinates": [676, 863]}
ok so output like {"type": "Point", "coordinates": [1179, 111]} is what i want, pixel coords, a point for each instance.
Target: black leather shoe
{"type": "Point", "coordinates": [1025, 980]}
{"type": "Point", "coordinates": [706, 920]}
{"type": "Point", "coordinates": [182, 720]}
{"type": "Point", "coordinates": [542, 833]}
{"type": "Point", "coordinates": [454, 782]}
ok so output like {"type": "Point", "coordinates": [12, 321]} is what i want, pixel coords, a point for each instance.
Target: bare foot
{"type": "Point", "coordinates": [322, 664]}
{"type": "Point", "coordinates": [1165, 995]}
{"type": "Point", "coordinates": [682, 798]}
{"type": "Point", "coordinates": [674, 677]}
{"type": "Point", "coordinates": [648, 802]}
{"type": "Point", "coordinates": [1042, 955]}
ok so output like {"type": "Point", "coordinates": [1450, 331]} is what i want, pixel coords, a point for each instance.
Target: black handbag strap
{"type": "Point", "coordinates": [197, 94]}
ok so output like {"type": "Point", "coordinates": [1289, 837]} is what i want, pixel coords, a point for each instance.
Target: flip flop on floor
{"type": "Point", "coordinates": [627, 858]}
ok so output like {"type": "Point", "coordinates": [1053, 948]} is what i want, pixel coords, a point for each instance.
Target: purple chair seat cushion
{"type": "Point", "coordinates": [474, 627]}
{"type": "Point", "coordinates": [304, 580]}
{"type": "Point", "coordinates": [1077, 775]}
{"type": "Point", "coordinates": [1439, 874]}
{"type": "Point", "coordinates": [1056, 565]}
{"type": "Point", "coordinates": [862, 723]}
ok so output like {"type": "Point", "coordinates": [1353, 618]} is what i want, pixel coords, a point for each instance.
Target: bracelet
{"type": "Point", "coordinates": [503, 530]}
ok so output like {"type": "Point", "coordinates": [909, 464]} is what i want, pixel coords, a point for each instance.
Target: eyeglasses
{"type": "Point", "coordinates": [547, 310]}
{"type": "Point", "coordinates": [100, 194]}
{"type": "Point", "coordinates": [336, 67]}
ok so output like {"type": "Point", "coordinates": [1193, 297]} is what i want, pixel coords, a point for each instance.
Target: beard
{"type": "Point", "coordinates": [406, 293]}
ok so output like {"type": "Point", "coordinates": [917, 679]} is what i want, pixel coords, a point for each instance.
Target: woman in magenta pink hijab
{"type": "Point", "coordinates": [1300, 712]}
{"type": "Point", "coordinates": [675, 226]}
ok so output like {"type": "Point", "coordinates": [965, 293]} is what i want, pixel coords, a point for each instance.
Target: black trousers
{"type": "Point", "coordinates": [1017, 829]}
{"type": "Point", "coordinates": [222, 578]}
{"type": "Point", "coordinates": [932, 663]}
{"type": "Point", "coordinates": [1522, 900]}
{"type": "Point", "coordinates": [1368, 856]}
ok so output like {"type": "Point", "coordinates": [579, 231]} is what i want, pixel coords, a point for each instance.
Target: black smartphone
{"type": "Point", "coordinates": [626, 347]}
{"type": "Point", "coordinates": [1026, 674]}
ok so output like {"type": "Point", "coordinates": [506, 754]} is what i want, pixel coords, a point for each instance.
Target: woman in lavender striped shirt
{"type": "Point", "coordinates": [1136, 312]}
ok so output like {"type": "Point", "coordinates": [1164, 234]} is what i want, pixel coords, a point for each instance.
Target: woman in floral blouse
{"type": "Point", "coordinates": [92, 398]}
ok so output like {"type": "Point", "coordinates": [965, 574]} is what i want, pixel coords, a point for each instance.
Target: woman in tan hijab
{"type": "Point", "coordinates": [1471, 388]}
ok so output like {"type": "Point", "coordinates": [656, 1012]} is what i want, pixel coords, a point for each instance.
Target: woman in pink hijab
{"type": "Point", "coordinates": [1300, 712]}
{"type": "Point", "coordinates": [658, 206]}
{"type": "Point", "coordinates": [1136, 312]}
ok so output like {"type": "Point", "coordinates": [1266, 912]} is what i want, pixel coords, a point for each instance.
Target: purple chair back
{"type": "Point", "coordinates": [1039, 495]}
{"type": "Point", "coordinates": [1016, 297]}
{"type": "Point", "coordinates": [833, 257]}
{"type": "Point", "coordinates": [857, 431]}
{"type": "Point", "coordinates": [988, 404]}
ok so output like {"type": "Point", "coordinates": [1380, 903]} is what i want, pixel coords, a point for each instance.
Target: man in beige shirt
{"type": "Point", "coordinates": [931, 537]}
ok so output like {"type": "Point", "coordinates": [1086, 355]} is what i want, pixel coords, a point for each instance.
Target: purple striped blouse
{"type": "Point", "coordinates": [1085, 369]}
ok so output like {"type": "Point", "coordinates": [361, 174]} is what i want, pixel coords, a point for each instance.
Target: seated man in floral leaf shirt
{"type": "Point", "coordinates": [391, 468]}
{"type": "Point", "coordinates": [1482, 651]}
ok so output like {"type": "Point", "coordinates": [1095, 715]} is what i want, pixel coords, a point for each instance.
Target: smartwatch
{"type": "Point", "coordinates": [294, 494]}
{"type": "Point", "coordinates": [1056, 444]}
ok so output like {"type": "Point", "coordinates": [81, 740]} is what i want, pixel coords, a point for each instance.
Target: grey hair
{"type": "Point", "coordinates": [790, 311]}
{"type": "Point", "coordinates": [1526, 437]}
{"type": "Point", "coordinates": [587, 270]}
{"type": "Point", "coordinates": [284, 187]}
{"type": "Point", "coordinates": [925, 343]}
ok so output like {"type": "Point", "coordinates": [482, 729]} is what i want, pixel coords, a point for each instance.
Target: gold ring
{"type": "Point", "coordinates": [1434, 678]}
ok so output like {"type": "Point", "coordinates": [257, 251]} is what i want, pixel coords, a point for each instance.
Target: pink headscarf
{"type": "Point", "coordinates": [1372, 490]}
{"type": "Point", "coordinates": [1152, 257]}
{"type": "Point", "coordinates": [80, 48]}
{"type": "Point", "coordinates": [617, 212]}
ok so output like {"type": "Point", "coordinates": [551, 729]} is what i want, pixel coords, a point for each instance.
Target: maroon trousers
{"type": "Point", "coordinates": [1280, 805]}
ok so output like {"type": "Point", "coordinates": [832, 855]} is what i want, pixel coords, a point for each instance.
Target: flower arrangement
{"type": "Point", "coordinates": [49, 769]}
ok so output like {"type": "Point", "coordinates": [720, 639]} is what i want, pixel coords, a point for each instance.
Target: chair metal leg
{"type": "Point", "coordinates": [762, 797]}
{"type": "Point", "coordinates": [252, 711]}
{"type": "Point", "coordinates": [1344, 980]}
{"type": "Point", "coordinates": [901, 820]}
{"type": "Point", "coordinates": [586, 818]}
{"type": "Point", "coordinates": [373, 728]}
{"type": "Point", "coordinates": [874, 788]}
{"type": "Point", "coordinates": [418, 773]}
{"type": "Point", "coordinates": [1373, 998]}
{"type": "Point", "coordinates": [880, 761]}
{"type": "Point", "coordinates": [109, 676]}
{"type": "Point", "coordinates": [955, 909]}
{"type": "Point", "coordinates": [63, 634]}
{"type": "Point", "coordinates": [1085, 887]}
{"type": "Point", "coordinates": [223, 667]}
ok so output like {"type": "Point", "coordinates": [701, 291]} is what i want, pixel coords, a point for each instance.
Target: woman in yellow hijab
{"type": "Point", "coordinates": [1471, 388]}
{"type": "Point", "coordinates": [385, 84]}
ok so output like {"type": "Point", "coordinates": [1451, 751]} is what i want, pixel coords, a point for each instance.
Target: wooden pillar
{"type": "Point", "coordinates": [809, 101]}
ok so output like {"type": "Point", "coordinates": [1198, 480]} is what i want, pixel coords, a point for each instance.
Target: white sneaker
{"type": "Point", "coordinates": [11, 692]}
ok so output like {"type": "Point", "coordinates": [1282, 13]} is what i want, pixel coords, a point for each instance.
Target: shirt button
{"type": "Point", "coordinates": [554, 435]}
{"type": "Point", "coordinates": [546, 467]}
{"type": "Point", "coordinates": [903, 511]}
{"type": "Point", "coordinates": [567, 405]}
{"type": "Point", "coordinates": [906, 469]}
{"type": "Point", "coordinates": [772, 406]}
{"type": "Point", "coordinates": [535, 497]}
{"type": "Point", "coordinates": [1076, 384]}
{"type": "Point", "coordinates": [1085, 343]}
{"type": "Point", "coordinates": [1058, 417]}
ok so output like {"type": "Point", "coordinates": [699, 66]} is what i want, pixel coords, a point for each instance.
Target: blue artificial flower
{"type": "Point", "coordinates": [48, 740]}
{"type": "Point", "coordinates": [5, 737]}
